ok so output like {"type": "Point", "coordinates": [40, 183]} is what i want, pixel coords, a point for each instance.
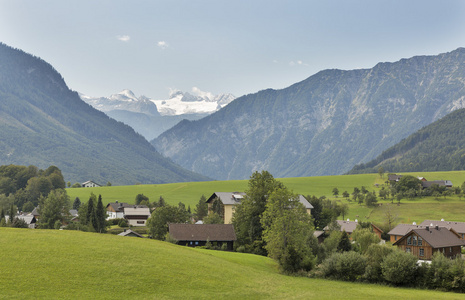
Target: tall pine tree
{"type": "Point", "coordinates": [100, 216]}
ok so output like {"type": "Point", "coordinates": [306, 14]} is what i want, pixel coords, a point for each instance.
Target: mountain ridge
{"type": "Point", "coordinates": [323, 125]}
{"type": "Point", "coordinates": [44, 123]}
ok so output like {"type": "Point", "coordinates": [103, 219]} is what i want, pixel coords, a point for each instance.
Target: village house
{"type": "Point", "coordinates": [115, 210]}
{"type": "Point", "coordinates": [193, 235]}
{"type": "Point", "coordinates": [347, 226]}
{"type": "Point", "coordinates": [90, 183]}
{"type": "Point", "coordinates": [428, 184]}
{"type": "Point", "coordinates": [424, 242]}
{"type": "Point", "coordinates": [129, 232]}
{"type": "Point", "coordinates": [230, 200]}
{"type": "Point", "coordinates": [136, 215]}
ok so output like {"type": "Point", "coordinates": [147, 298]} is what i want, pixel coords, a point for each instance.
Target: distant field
{"type": "Point", "coordinates": [189, 193]}
{"type": "Point", "coordinates": [56, 264]}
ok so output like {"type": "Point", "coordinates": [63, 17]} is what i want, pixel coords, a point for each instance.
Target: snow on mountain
{"type": "Point", "coordinates": [179, 103]}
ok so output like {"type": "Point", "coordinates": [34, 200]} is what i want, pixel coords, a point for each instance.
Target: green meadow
{"type": "Point", "coordinates": [58, 264]}
{"type": "Point", "coordinates": [450, 208]}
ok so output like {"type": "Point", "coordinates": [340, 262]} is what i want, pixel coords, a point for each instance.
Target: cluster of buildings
{"type": "Point", "coordinates": [393, 178]}
{"type": "Point", "coordinates": [422, 240]}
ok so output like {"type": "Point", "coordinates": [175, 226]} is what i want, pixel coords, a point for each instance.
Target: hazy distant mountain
{"type": "Point", "coordinates": [323, 125]}
{"type": "Point", "coordinates": [43, 123]}
{"type": "Point", "coordinates": [152, 117]}
{"type": "Point", "coordinates": [439, 146]}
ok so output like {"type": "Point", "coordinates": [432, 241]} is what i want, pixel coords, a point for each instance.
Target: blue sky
{"type": "Point", "coordinates": [238, 47]}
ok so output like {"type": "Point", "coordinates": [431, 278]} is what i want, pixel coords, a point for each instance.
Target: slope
{"type": "Point", "coordinates": [58, 264]}
{"type": "Point", "coordinates": [439, 146]}
{"type": "Point", "coordinates": [323, 125]}
{"type": "Point", "coordinates": [44, 123]}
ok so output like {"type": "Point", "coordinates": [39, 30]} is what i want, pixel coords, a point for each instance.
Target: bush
{"type": "Point", "coordinates": [19, 223]}
{"type": "Point", "coordinates": [170, 239]}
{"type": "Point", "coordinates": [348, 266]}
{"type": "Point", "coordinates": [57, 224]}
{"type": "Point", "coordinates": [240, 249]}
{"type": "Point", "coordinates": [123, 223]}
{"type": "Point", "coordinates": [399, 268]}
{"type": "Point", "coordinates": [224, 246]}
{"type": "Point", "coordinates": [375, 255]}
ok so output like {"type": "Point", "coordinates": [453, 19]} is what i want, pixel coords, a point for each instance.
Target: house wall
{"type": "Point", "coordinates": [394, 238]}
{"type": "Point", "coordinates": [115, 215]}
{"type": "Point", "coordinates": [137, 222]}
{"type": "Point", "coordinates": [228, 213]}
{"type": "Point", "coordinates": [429, 250]}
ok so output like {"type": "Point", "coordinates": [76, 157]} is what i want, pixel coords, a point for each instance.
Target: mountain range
{"type": "Point", "coordinates": [43, 123]}
{"type": "Point", "coordinates": [323, 125]}
{"type": "Point", "coordinates": [151, 117]}
{"type": "Point", "coordinates": [439, 146]}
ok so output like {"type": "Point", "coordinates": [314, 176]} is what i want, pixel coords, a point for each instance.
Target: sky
{"type": "Point", "coordinates": [239, 47]}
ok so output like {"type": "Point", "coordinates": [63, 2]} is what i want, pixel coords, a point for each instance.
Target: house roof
{"type": "Point", "coordinates": [437, 237]}
{"type": "Point", "coordinates": [305, 202]}
{"type": "Point", "coordinates": [394, 177]}
{"type": "Point", "coordinates": [29, 219]}
{"type": "Point", "coordinates": [459, 227]}
{"type": "Point", "coordinates": [202, 232]}
{"type": "Point", "coordinates": [118, 206]}
{"type": "Point", "coordinates": [228, 198]}
{"type": "Point", "coordinates": [427, 184]}
{"type": "Point", "coordinates": [403, 229]}
{"type": "Point", "coordinates": [129, 232]}
{"type": "Point", "coordinates": [136, 210]}
{"type": "Point", "coordinates": [318, 233]}
{"type": "Point", "coordinates": [233, 198]}
{"type": "Point", "coordinates": [347, 226]}
{"type": "Point", "coordinates": [90, 181]}
{"type": "Point", "coordinates": [35, 212]}
{"type": "Point", "coordinates": [73, 212]}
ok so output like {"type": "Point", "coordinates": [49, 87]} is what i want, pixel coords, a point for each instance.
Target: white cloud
{"type": "Point", "coordinates": [162, 44]}
{"type": "Point", "coordinates": [123, 38]}
{"type": "Point", "coordinates": [196, 91]}
{"type": "Point", "coordinates": [297, 63]}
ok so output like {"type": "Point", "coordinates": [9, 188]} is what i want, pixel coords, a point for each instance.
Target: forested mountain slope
{"type": "Point", "coordinates": [323, 125]}
{"type": "Point", "coordinates": [44, 123]}
{"type": "Point", "coordinates": [439, 146]}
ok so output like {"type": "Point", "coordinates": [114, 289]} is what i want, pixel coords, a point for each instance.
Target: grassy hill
{"type": "Point", "coordinates": [52, 264]}
{"type": "Point", "coordinates": [189, 193]}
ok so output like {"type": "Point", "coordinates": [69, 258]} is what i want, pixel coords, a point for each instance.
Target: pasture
{"type": "Point", "coordinates": [418, 209]}
{"type": "Point", "coordinates": [60, 264]}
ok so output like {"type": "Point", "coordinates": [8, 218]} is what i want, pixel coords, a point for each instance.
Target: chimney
{"type": "Point", "coordinates": [427, 228]}
{"type": "Point", "coordinates": [437, 227]}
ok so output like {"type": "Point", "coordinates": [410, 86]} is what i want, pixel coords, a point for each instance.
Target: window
{"type": "Point", "coordinates": [407, 250]}
{"type": "Point", "coordinates": [414, 240]}
{"type": "Point", "coordinates": [395, 238]}
{"type": "Point", "coordinates": [140, 222]}
{"type": "Point", "coordinates": [420, 241]}
{"type": "Point", "coordinates": [422, 252]}
{"type": "Point", "coordinates": [196, 243]}
{"type": "Point", "coordinates": [450, 249]}
{"type": "Point", "coordinates": [409, 240]}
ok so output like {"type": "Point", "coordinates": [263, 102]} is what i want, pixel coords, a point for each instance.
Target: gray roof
{"type": "Point", "coordinates": [347, 226]}
{"type": "Point", "coordinates": [73, 212]}
{"type": "Point", "coordinates": [137, 210]}
{"type": "Point", "coordinates": [129, 232]}
{"type": "Point", "coordinates": [318, 233]}
{"type": "Point", "coordinates": [403, 229]}
{"type": "Point", "coordinates": [459, 227]}
{"type": "Point", "coordinates": [29, 219]}
{"type": "Point", "coordinates": [202, 232]}
{"type": "Point", "coordinates": [35, 212]}
{"type": "Point", "coordinates": [427, 184]}
{"type": "Point", "coordinates": [118, 206]}
{"type": "Point", "coordinates": [436, 237]}
{"type": "Point", "coordinates": [394, 177]}
{"type": "Point", "coordinates": [305, 202]}
{"type": "Point", "coordinates": [228, 198]}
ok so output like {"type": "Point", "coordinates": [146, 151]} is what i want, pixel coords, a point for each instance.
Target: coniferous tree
{"type": "Point", "coordinates": [100, 216]}
{"type": "Point", "coordinates": [344, 243]}
{"type": "Point", "coordinates": [201, 209]}
{"type": "Point", "coordinates": [90, 215]}
{"type": "Point", "coordinates": [12, 213]}
{"type": "Point", "coordinates": [77, 203]}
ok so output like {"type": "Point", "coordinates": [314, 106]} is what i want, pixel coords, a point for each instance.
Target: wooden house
{"type": "Point", "coordinates": [193, 235]}
{"type": "Point", "coordinates": [424, 242]}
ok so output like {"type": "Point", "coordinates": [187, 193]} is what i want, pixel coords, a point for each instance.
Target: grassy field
{"type": "Point", "coordinates": [53, 264]}
{"type": "Point", "coordinates": [189, 193]}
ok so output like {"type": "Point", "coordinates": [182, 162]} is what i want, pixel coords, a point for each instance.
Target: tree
{"type": "Point", "coordinates": [213, 218]}
{"type": "Point", "coordinates": [90, 214]}
{"type": "Point", "coordinates": [77, 203]}
{"type": "Point", "coordinates": [161, 202]}
{"type": "Point", "coordinates": [286, 226]}
{"type": "Point", "coordinates": [158, 222]}
{"type": "Point", "coordinates": [364, 238]}
{"type": "Point", "coordinates": [28, 206]}
{"type": "Point", "coordinates": [344, 243]}
{"type": "Point", "coordinates": [344, 209]}
{"type": "Point", "coordinates": [381, 172]}
{"type": "Point", "coordinates": [52, 207]}
{"type": "Point", "coordinates": [370, 199]}
{"type": "Point", "coordinates": [12, 214]}
{"type": "Point", "coordinates": [217, 207]}
{"type": "Point", "coordinates": [335, 192]}
{"type": "Point", "coordinates": [389, 217]}
{"type": "Point", "coordinates": [140, 198]}
{"type": "Point", "coordinates": [345, 194]}
{"type": "Point", "coordinates": [247, 216]}
{"type": "Point", "coordinates": [108, 183]}
{"type": "Point", "coordinates": [76, 185]}
{"type": "Point", "coordinates": [100, 216]}
{"type": "Point", "coordinates": [408, 182]}
{"type": "Point", "coordinates": [399, 267]}
{"type": "Point", "coordinates": [355, 193]}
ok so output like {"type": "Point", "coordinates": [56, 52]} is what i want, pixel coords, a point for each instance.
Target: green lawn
{"type": "Point", "coordinates": [53, 264]}
{"type": "Point", "coordinates": [189, 193]}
